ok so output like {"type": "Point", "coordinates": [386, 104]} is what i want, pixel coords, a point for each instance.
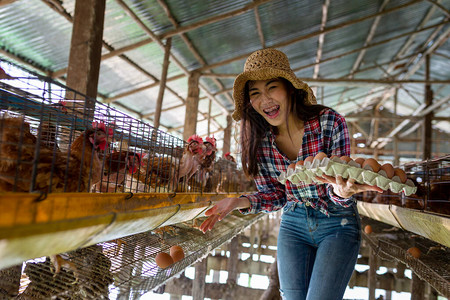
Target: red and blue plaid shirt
{"type": "Point", "coordinates": [327, 133]}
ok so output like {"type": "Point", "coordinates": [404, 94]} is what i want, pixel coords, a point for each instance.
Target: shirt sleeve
{"type": "Point", "coordinates": [340, 146]}
{"type": "Point", "coordinates": [271, 195]}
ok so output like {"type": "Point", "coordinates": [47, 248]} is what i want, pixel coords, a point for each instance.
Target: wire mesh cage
{"type": "Point", "coordinates": [123, 268]}
{"type": "Point", "coordinates": [54, 139]}
{"type": "Point", "coordinates": [432, 178]}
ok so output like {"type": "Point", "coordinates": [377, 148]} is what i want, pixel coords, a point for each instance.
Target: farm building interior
{"type": "Point", "coordinates": [101, 101]}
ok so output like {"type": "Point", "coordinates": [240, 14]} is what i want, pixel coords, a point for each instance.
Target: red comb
{"type": "Point", "coordinates": [227, 154]}
{"type": "Point", "coordinates": [62, 102]}
{"type": "Point", "coordinates": [212, 141]}
{"type": "Point", "coordinates": [109, 131]}
{"type": "Point", "coordinates": [195, 138]}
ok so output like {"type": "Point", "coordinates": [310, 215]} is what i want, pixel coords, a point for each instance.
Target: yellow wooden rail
{"type": "Point", "coordinates": [432, 226]}
{"type": "Point", "coordinates": [32, 227]}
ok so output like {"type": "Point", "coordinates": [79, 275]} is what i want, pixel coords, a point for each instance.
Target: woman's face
{"type": "Point", "coordinates": [270, 98]}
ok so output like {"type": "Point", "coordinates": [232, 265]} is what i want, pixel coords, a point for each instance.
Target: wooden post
{"type": "Point", "coordinates": [227, 135]}
{"type": "Point", "coordinates": [162, 83]}
{"type": "Point", "coordinates": [232, 268]}
{"type": "Point", "coordinates": [209, 117]}
{"type": "Point", "coordinates": [372, 279]}
{"type": "Point", "coordinates": [427, 129]}
{"type": "Point", "coordinates": [190, 120]}
{"type": "Point", "coordinates": [417, 287]}
{"type": "Point", "coordinates": [198, 285]}
{"type": "Point", "coordinates": [85, 49]}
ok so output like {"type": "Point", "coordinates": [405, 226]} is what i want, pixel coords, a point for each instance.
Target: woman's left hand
{"type": "Point", "coordinates": [345, 188]}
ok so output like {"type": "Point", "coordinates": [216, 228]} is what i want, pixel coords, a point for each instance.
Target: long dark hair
{"type": "Point", "coordinates": [254, 126]}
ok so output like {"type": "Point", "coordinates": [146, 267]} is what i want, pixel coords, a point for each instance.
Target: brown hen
{"type": "Point", "coordinates": [55, 171]}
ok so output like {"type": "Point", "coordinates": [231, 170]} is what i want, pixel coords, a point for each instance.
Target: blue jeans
{"type": "Point", "coordinates": [317, 254]}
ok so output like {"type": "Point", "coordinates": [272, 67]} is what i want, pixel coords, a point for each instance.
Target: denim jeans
{"type": "Point", "coordinates": [317, 254]}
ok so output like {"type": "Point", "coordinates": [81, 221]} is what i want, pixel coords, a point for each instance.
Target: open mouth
{"type": "Point", "coordinates": [272, 111]}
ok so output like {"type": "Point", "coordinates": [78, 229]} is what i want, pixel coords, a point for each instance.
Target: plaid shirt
{"type": "Point", "coordinates": [327, 133]}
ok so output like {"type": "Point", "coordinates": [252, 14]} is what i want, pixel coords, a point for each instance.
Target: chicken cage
{"type": "Point", "coordinates": [53, 139]}
{"type": "Point", "coordinates": [87, 193]}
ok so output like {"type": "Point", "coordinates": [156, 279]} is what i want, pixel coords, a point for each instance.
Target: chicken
{"type": "Point", "coordinates": [207, 160]}
{"type": "Point", "coordinates": [48, 128]}
{"type": "Point", "coordinates": [190, 160]}
{"type": "Point", "coordinates": [156, 172]}
{"type": "Point", "coordinates": [229, 157]}
{"type": "Point", "coordinates": [116, 167]}
{"type": "Point", "coordinates": [54, 171]}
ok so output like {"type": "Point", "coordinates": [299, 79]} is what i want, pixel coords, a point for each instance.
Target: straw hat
{"type": "Point", "coordinates": [262, 65]}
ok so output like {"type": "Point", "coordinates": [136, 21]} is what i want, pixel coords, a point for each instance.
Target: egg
{"type": "Point", "coordinates": [309, 158]}
{"type": "Point", "coordinates": [389, 169]}
{"type": "Point", "coordinates": [299, 163]}
{"type": "Point", "coordinates": [368, 229]}
{"type": "Point", "coordinates": [401, 174]}
{"type": "Point", "coordinates": [177, 253]}
{"type": "Point", "coordinates": [291, 166]}
{"type": "Point", "coordinates": [373, 164]}
{"type": "Point", "coordinates": [359, 160]}
{"type": "Point", "coordinates": [333, 156]}
{"type": "Point", "coordinates": [320, 156]}
{"type": "Point", "coordinates": [345, 158]}
{"type": "Point", "coordinates": [414, 252]}
{"type": "Point", "coordinates": [163, 260]}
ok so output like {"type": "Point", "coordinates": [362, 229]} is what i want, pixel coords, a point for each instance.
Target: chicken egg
{"type": "Point", "coordinates": [291, 166]}
{"type": "Point", "coordinates": [320, 156]}
{"type": "Point", "coordinates": [373, 164]}
{"type": "Point", "coordinates": [389, 169]}
{"type": "Point", "coordinates": [368, 229]}
{"type": "Point", "coordinates": [163, 260]}
{"type": "Point", "coordinates": [309, 158]}
{"type": "Point", "coordinates": [401, 174]}
{"type": "Point", "coordinates": [177, 253]}
{"type": "Point", "coordinates": [359, 160]}
{"type": "Point", "coordinates": [414, 251]}
{"type": "Point", "coordinates": [300, 163]}
{"type": "Point", "coordinates": [345, 158]}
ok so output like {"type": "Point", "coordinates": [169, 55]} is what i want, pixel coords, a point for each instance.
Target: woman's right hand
{"type": "Point", "coordinates": [221, 209]}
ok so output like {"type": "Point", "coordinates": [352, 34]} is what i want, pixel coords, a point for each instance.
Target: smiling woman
{"type": "Point", "coordinates": [319, 235]}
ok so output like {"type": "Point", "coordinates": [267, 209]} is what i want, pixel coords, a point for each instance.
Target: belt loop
{"type": "Point", "coordinates": [292, 208]}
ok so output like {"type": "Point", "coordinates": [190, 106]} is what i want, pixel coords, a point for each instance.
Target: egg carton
{"type": "Point", "coordinates": [332, 167]}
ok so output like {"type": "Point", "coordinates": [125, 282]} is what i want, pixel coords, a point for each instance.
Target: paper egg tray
{"type": "Point", "coordinates": [335, 166]}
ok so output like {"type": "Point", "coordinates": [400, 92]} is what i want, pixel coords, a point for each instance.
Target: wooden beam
{"type": "Point", "coordinates": [162, 85]}
{"type": "Point", "coordinates": [198, 284]}
{"type": "Point", "coordinates": [427, 139]}
{"type": "Point", "coordinates": [259, 28]}
{"type": "Point", "coordinates": [85, 49]}
{"type": "Point", "coordinates": [372, 278]}
{"type": "Point", "coordinates": [227, 135]}
{"type": "Point", "coordinates": [325, 7]}
{"type": "Point", "coordinates": [190, 120]}
{"type": "Point", "coordinates": [183, 286]}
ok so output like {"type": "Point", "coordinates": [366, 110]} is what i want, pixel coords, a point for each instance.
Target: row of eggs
{"type": "Point", "coordinates": [367, 164]}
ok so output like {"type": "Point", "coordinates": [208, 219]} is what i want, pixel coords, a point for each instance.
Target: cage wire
{"type": "Point", "coordinates": [431, 266]}
{"type": "Point", "coordinates": [119, 269]}
{"type": "Point", "coordinates": [54, 139]}
{"type": "Point", "coordinates": [72, 143]}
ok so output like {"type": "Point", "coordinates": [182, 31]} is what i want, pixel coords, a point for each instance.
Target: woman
{"type": "Point", "coordinates": [319, 235]}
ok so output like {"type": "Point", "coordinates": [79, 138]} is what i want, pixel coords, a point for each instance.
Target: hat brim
{"type": "Point", "coordinates": [264, 74]}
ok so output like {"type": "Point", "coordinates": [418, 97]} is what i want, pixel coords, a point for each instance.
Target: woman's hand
{"type": "Point", "coordinates": [221, 210]}
{"type": "Point", "coordinates": [345, 188]}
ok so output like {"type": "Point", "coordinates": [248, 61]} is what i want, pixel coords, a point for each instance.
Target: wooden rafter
{"type": "Point", "coordinates": [321, 41]}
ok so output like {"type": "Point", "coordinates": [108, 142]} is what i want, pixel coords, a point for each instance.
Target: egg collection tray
{"type": "Point", "coordinates": [333, 167]}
